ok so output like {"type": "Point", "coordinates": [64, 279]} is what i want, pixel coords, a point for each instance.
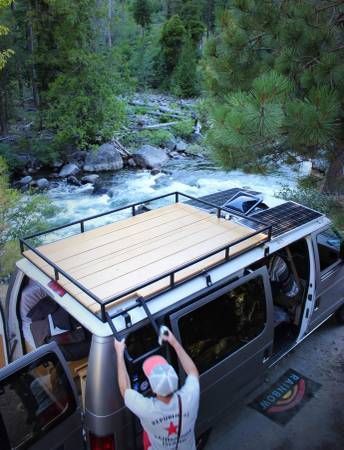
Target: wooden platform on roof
{"type": "Point", "coordinates": [114, 258]}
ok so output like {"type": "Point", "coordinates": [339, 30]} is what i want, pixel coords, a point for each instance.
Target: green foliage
{"type": "Point", "coordinates": [142, 11]}
{"type": "Point", "coordinates": [308, 197]}
{"type": "Point", "coordinates": [185, 80]}
{"type": "Point", "coordinates": [19, 215]}
{"type": "Point", "coordinates": [83, 107]}
{"type": "Point", "coordinates": [158, 138]}
{"type": "Point", "coordinates": [274, 73]}
{"type": "Point", "coordinates": [5, 54]}
{"type": "Point", "coordinates": [183, 128]}
{"type": "Point", "coordinates": [171, 41]}
{"type": "Point", "coordinates": [191, 15]}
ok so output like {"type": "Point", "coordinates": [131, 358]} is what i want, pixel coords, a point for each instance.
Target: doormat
{"type": "Point", "coordinates": [286, 397]}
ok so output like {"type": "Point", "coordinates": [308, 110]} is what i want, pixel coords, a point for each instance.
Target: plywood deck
{"type": "Point", "coordinates": [114, 258]}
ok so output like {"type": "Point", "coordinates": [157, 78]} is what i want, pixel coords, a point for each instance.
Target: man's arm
{"type": "Point", "coordinates": [185, 360]}
{"type": "Point", "coordinates": [122, 373]}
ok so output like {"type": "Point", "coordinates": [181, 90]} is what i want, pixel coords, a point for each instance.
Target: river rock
{"type": "Point", "coordinates": [57, 164]}
{"type": "Point", "coordinates": [90, 178]}
{"type": "Point", "coordinates": [73, 180]}
{"type": "Point", "coordinates": [149, 157]}
{"type": "Point", "coordinates": [181, 146]}
{"type": "Point", "coordinates": [107, 157]}
{"type": "Point", "coordinates": [131, 162]}
{"type": "Point", "coordinates": [171, 144]}
{"type": "Point", "coordinates": [68, 170]}
{"type": "Point", "coordinates": [42, 183]}
{"type": "Point", "coordinates": [25, 180]}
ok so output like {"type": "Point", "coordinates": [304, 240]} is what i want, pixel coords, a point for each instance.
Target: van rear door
{"type": "Point", "coordinates": [229, 336]}
{"type": "Point", "coordinates": [3, 345]}
{"type": "Point", "coordinates": [39, 408]}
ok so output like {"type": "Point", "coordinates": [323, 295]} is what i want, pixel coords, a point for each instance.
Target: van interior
{"type": "Point", "coordinates": [288, 311]}
{"type": "Point", "coordinates": [73, 340]}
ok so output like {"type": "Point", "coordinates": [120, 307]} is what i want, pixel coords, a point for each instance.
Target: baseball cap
{"type": "Point", "coordinates": [161, 375]}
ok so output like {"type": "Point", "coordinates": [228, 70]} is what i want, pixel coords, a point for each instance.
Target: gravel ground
{"type": "Point", "coordinates": [319, 425]}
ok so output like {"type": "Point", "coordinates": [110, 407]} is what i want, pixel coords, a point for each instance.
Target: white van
{"type": "Point", "coordinates": [239, 278]}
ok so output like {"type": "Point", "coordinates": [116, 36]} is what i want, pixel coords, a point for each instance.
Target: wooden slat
{"type": "Point", "coordinates": [117, 257]}
{"type": "Point", "coordinates": [77, 244]}
{"type": "Point", "coordinates": [124, 240]}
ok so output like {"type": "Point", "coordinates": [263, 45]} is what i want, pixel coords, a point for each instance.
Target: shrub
{"type": "Point", "coordinates": [184, 129]}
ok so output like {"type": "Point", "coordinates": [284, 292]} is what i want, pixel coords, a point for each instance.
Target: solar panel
{"type": "Point", "coordinates": [286, 217]}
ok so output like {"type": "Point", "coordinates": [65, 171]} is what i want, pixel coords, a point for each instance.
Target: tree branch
{"type": "Point", "coordinates": [332, 5]}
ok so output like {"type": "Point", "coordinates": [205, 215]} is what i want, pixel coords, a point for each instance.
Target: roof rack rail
{"type": "Point", "coordinates": [258, 226]}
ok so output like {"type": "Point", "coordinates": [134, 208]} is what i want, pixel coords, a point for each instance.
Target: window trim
{"type": "Point", "coordinates": [330, 270]}
{"type": "Point", "coordinates": [176, 316]}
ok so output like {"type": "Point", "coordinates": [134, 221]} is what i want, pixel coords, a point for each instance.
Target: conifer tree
{"type": "Point", "coordinates": [275, 73]}
{"type": "Point", "coordinates": [142, 12]}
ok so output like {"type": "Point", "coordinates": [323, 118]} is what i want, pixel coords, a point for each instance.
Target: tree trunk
{"type": "Point", "coordinates": [109, 23]}
{"type": "Point", "coordinates": [31, 48]}
{"type": "Point", "coordinates": [334, 180]}
{"type": "Point", "coordinates": [3, 113]}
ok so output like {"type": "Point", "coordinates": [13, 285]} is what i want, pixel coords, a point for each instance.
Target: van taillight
{"type": "Point", "coordinates": [54, 286]}
{"type": "Point", "coordinates": [102, 443]}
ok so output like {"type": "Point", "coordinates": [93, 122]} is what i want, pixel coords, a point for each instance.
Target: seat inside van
{"type": "Point", "coordinates": [43, 321]}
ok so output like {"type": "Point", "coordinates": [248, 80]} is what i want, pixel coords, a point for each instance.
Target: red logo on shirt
{"type": "Point", "coordinates": [172, 429]}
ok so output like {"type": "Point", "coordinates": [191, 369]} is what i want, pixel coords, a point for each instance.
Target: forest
{"type": "Point", "coordinates": [265, 79]}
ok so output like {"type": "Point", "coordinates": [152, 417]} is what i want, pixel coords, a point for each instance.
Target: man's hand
{"type": "Point", "coordinates": [122, 373]}
{"type": "Point", "coordinates": [119, 346]}
{"type": "Point", "coordinates": [185, 360]}
{"type": "Point", "coordinates": [168, 336]}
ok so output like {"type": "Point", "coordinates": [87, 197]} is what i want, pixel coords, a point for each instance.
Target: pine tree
{"type": "Point", "coordinates": [142, 12]}
{"type": "Point", "coordinates": [275, 73]}
{"type": "Point", "coordinates": [5, 54]}
{"type": "Point", "coordinates": [185, 81]}
{"type": "Point", "coordinates": [171, 42]}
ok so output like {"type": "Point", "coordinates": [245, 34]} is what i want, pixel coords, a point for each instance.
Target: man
{"type": "Point", "coordinates": [169, 418]}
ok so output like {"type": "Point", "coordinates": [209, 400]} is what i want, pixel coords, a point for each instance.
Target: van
{"type": "Point", "coordinates": [240, 278]}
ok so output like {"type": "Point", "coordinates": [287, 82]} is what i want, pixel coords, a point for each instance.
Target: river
{"type": "Point", "coordinates": [193, 176]}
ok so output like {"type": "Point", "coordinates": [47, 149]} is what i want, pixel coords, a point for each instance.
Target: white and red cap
{"type": "Point", "coordinates": [161, 375]}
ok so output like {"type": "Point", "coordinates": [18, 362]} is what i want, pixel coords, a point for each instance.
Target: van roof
{"type": "Point", "coordinates": [146, 254]}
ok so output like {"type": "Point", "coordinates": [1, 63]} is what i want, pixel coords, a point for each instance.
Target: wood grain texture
{"type": "Point", "coordinates": [118, 257]}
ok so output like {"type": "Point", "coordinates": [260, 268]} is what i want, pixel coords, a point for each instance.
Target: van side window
{"type": "Point", "coordinates": [220, 327]}
{"type": "Point", "coordinates": [32, 401]}
{"type": "Point", "coordinates": [328, 243]}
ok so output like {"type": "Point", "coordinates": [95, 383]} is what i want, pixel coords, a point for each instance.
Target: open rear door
{"type": "Point", "coordinates": [3, 346]}
{"type": "Point", "coordinates": [39, 407]}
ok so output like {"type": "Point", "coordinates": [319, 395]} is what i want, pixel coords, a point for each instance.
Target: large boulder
{"type": "Point", "coordinates": [42, 183]}
{"type": "Point", "coordinates": [25, 180]}
{"type": "Point", "coordinates": [149, 157]}
{"type": "Point", "coordinates": [107, 157]}
{"type": "Point", "coordinates": [69, 170]}
{"type": "Point", "coordinates": [90, 178]}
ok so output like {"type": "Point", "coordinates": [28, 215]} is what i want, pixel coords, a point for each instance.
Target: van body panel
{"type": "Point", "coordinates": [329, 286]}
{"type": "Point", "coordinates": [241, 369]}
{"type": "Point", "coordinates": [15, 344]}
{"type": "Point", "coordinates": [3, 341]}
{"type": "Point", "coordinates": [44, 400]}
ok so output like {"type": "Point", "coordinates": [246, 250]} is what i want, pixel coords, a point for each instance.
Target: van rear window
{"type": "Point", "coordinates": [33, 401]}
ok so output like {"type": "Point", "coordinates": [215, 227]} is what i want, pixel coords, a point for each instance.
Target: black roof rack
{"type": "Point", "coordinates": [255, 223]}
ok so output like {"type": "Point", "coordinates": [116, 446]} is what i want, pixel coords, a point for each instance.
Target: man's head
{"type": "Point", "coordinates": [161, 375]}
